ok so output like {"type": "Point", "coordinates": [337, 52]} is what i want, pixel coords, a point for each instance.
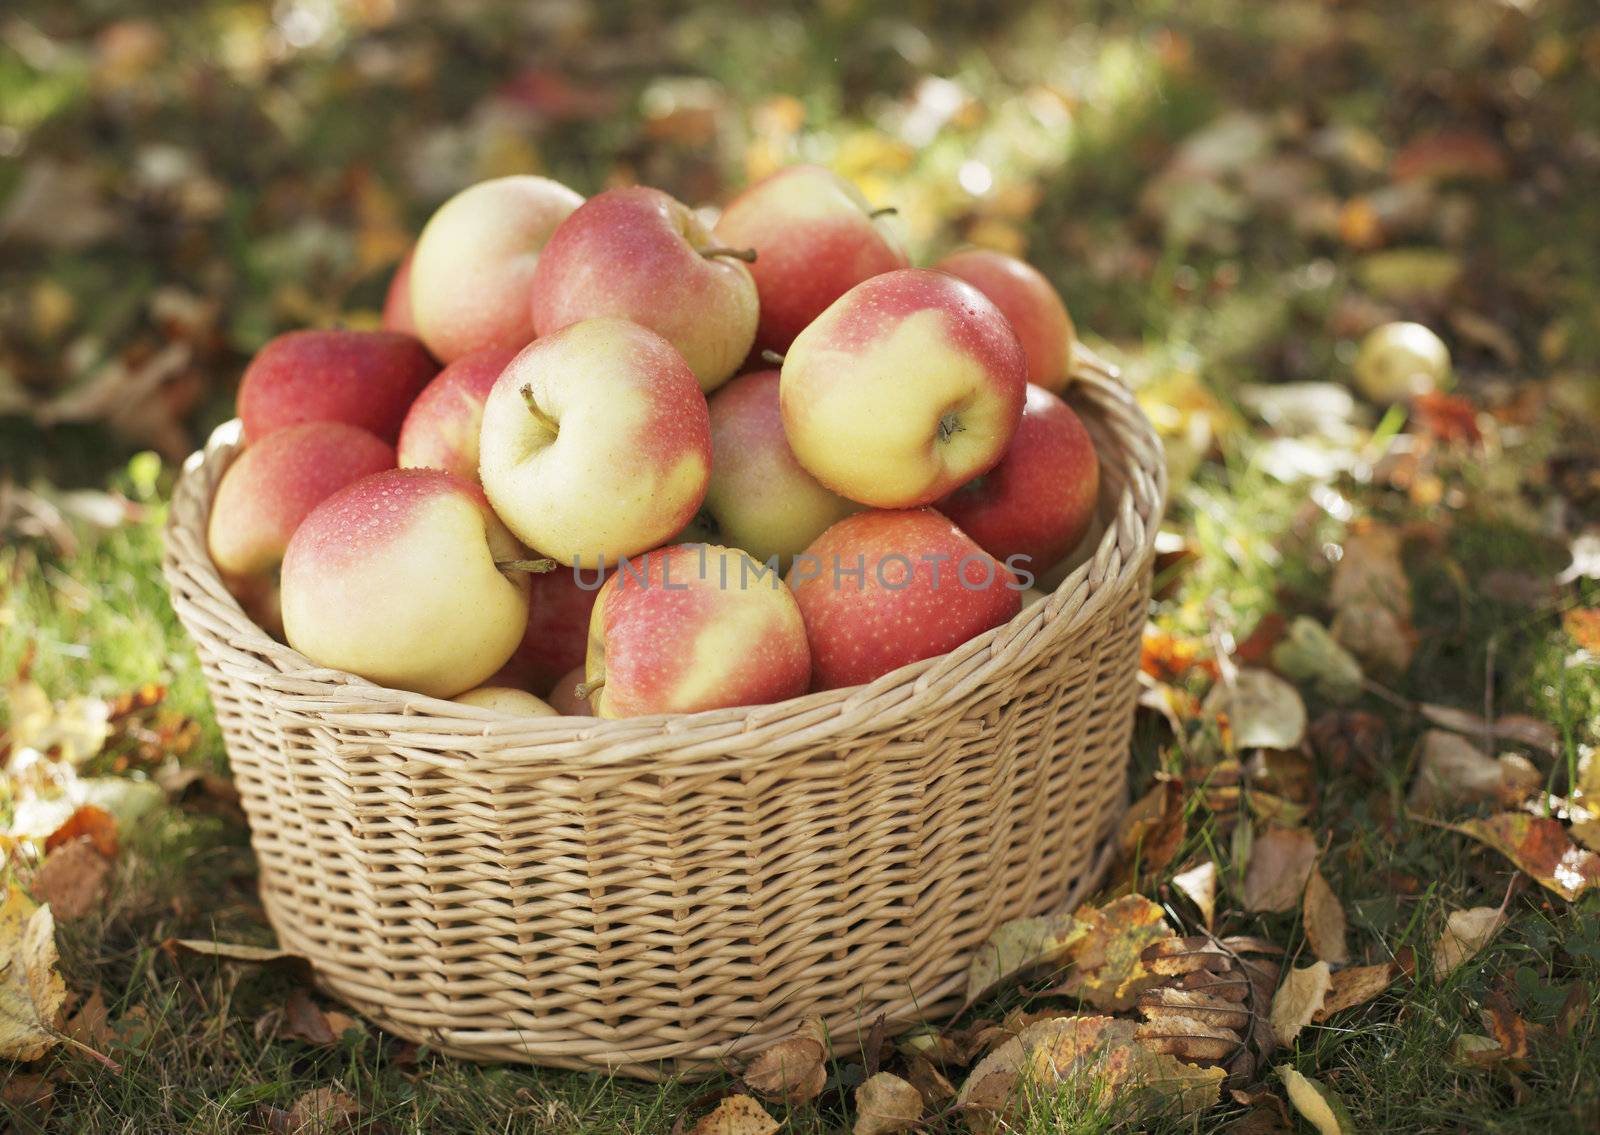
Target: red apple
{"type": "Point", "coordinates": [694, 627]}
{"type": "Point", "coordinates": [760, 498]}
{"type": "Point", "coordinates": [880, 590]}
{"type": "Point", "coordinates": [638, 254]}
{"type": "Point", "coordinates": [596, 443]}
{"type": "Point", "coordinates": [557, 636]}
{"type": "Point", "coordinates": [1038, 502]}
{"type": "Point", "coordinates": [361, 378]}
{"type": "Point", "coordinates": [269, 489]}
{"type": "Point", "coordinates": [397, 301]}
{"type": "Point", "coordinates": [474, 262]}
{"type": "Point", "coordinates": [399, 578]}
{"type": "Point", "coordinates": [815, 237]}
{"type": "Point", "coordinates": [1029, 302]}
{"type": "Point", "coordinates": [910, 385]}
{"type": "Point", "coordinates": [441, 430]}
{"type": "Point", "coordinates": [564, 697]}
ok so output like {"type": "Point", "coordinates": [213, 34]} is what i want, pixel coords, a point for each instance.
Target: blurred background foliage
{"type": "Point", "coordinates": [1224, 190]}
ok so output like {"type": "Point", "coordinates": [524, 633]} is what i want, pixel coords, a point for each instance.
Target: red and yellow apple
{"type": "Point", "coordinates": [596, 443]}
{"type": "Point", "coordinates": [1030, 304]}
{"type": "Point", "coordinates": [441, 429]}
{"type": "Point", "coordinates": [398, 578]}
{"type": "Point", "coordinates": [397, 300]}
{"type": "Point", "coordinates": [760, 498]}
{"type": "Point", "coordinates": [882, 589]}
{"type": "Point", "coordinates": [362, 378]}
{"type": "Point", "coordinates": [473, 265]}
{"type": "Point", "coordinates": [639, 254]}
{"type": "Point", "coordinates": [269, 489]}
{"type": "Point", "coordinates": [694, 627]}
{"type": "Point", "coordinates": [815, 237]}
{"type": "Point", "coordinates": [507, 700]}
{"type": "Point", "coordinates": [556, 639]}
{"type": "Point", "coordinates": [908, 386]}
{"type": "Point", "coordinates": [1037, 503]}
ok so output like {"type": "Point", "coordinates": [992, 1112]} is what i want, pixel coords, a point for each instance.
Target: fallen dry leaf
{"type": "Point", "coordinates": [1507, 1027]}
{"type": "Point", "coordinates": [1370, 571]}
{"type": "Point", "coordinates": [1281, 860]}
{"type": "Point", "coordinates": [29, 1093]}
{"type": "Point", "coordinates": [321, 1111]}
{"type": "Point", "coordinates": [1324, 921]}
{"type": "Point", "coordinates": [930, 1083]}
{"type": "Point", "coordinates": [1465, 933]}
{"type": "Point", "coordinates": [1383, 640]}
{"type": "Point", "coordinates": [291, 963]}
{"type": "Point", "coordinates": [1021, 945]}
{"type": "Point", "coordinates": [1541, 848]}
{"type": "Point", "coordinates": [1310, 654]}
{"type": "Point", "coordinates": [31, 991]}
{"type": "Point", "coordinates": [1476, 1051]}
{"type": "Point", "coordinates": [1320, 1106]}
{"type": "Point", "coordinates": [1262, 710]}
{"type": "Point", "coordinates": [737, 1115]}
{"type": "Point", "coordinates": [886, 1105]}
{"type": "Point", "coordinates": [1582, 624]}
{"type": "Point", "coordinates": [1199, 884]}
{"type": "Point", "coordinates": [1152, 831]}
{"type": "Point", "coordinates": [1453, 770]}
{"type": "Point", "coordinates": [1106, 967]}
{"type": "Point", "coordinates": [1355, 986]}
{"type": "Point", "coordinates": [73, 879]}
{"type": "Point", "coordinates": [90, 821]}
{"type": "Point", "coordinates": [794, 1069]}
{"type": "Point", "coordinates": [304, 1020]}
{"type": "Point", "coordinates": [90, 1023]}
{"type": "Point", "coordinates": [1515, 727]}
{"type": "Point", "coordinates": [1299, 999]}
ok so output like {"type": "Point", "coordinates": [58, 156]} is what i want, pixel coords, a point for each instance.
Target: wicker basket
{"type": "Point", "coordinates": [651, 896]}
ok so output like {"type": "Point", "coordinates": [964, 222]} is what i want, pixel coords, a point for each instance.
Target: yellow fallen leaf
{"type": "Point", "coordinates": [1263, 710]}
{"type": "Point", "coordinates": [1021, 945]}
{"type": "Point", "coordinates": [1320, 1107]}
{"type": "Point", "coordinates": [794, 1069]}
{"type": "Point", "coordinates": [1324, 921]}
{"type": "Point", "coordinates": [1280, 863]}
{"type": "Point", "coordinates": [1355, 986]}
{"type": "Point", "coordinates": [737, 1115]}
{"type": "Point", "coordinates": [1465, 933]}
{"type": "Point", "coordinates": [31, 991]}
{"type": "Point", "coordinates": [886, 1105]}
{"type": "Point", "coordinates": [1298, 999]}
{"type": "Point", "coordinates": [1106, 968]}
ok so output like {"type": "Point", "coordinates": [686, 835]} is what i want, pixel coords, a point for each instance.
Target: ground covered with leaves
{"type": "Point", "coordinates": [1360, 887]}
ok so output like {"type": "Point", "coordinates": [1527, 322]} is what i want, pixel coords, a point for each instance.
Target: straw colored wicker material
{"type": "Point", "coordinates": [655, 895]}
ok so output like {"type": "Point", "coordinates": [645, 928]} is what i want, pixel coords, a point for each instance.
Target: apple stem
{"type": "Point", "coordinates": [586, 690]}
{"type": "Point", "coordinates": [886, 211]}
{"type": "Point", "coordinates": [949, 426]}
{"type": "Point", "coordinates": [770, 356]}
{"type": "Point", "coordinates": [535, 566]}
{"type": "Point", "coordinates": [539, 415]}
{"type": "Point", "coordinates": [748, 255]}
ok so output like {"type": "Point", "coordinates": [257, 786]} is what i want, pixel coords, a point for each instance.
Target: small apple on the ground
{"type": "Point", "coordinates": [760, 498]}
{"type": "Point", "coordinates": [911, 384]}
{"type": "Point", "coordinates": [362, 378]}
{"type": "Point", "coordinates": [397, 578]}
{"type": "Point", "coordinates": [881, 589]}
{"type": "Point", "coordinates": [269, 489]}
{"type": "Point", "coordinates": [596, 443]}
{"type": "Point", "coordinates": [815, 237]}
{"type": "Point", "coordinates": [505, 699]}
{"type": "Point", "coordinates": [397, 301]}
{"type": "Point", "coordinates": [557, 636]}
{"type": "Point", "coordinates": [1029, 302]}
{"type": "Point", "coordinates": [639, 254]}
{"type": "Point", "coordinates": [1398, 361]}
{"type": "Point", "coordinates": [441, 429]}
{"type": "Point", "coordinates": [473, 265]}
{"type": "Point", "coordinates": [694, 627]}
{"type": "Point", "coordinates": [564, 697]}
{"type": "Point", "coordinates": [1038, 501]}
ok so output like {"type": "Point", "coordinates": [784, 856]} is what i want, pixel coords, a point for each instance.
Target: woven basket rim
{"type": "Point", "coordinates": [1130, 522]}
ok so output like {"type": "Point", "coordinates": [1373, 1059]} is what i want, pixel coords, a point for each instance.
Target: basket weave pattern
{"type": "Point", "coordinates": [656, 894]}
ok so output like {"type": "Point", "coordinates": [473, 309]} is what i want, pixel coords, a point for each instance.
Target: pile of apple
{"type": "Point", "coordinates": [794, 461]}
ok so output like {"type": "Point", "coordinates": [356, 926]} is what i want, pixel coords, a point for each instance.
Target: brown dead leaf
{"type": "Point", "coordinates": [30, 1093]}
{"type": "Point", "coordinates": [1355, 986]}
{"type": "Point", "coordinates": [322, 1111]}
{"type": "Point", "coordinates": [1507, 1027]}
{"type": "Point", "coordinates": [793, 1070]}
{"type": "Point", "coordinates": [1199, 884]}
{"type": "Point", "coordinates": [737, 1115]}
{"type": "Point", "coordinates": [1324, 921]}
{"type": "Point", "coordinates": [1518, 728]}
{"type": "Point", "coordinates": [1106, 967]}
{"type": "Point", "coordinates": [1381, 639]}
{"type": "Point", "coordinates": [31, 991]}
{"type": "Point", "coordinates": [87, 820]}
{"type": "Point", "coordinates": [1449, 155]}
{"type": "Point", "coordinates": [886, 1105]}
{"type": "Point", "coordinates": [1583, 625]}
{"type": "Point", "coordinates": [73, 879]}
{"type": "Point", "coordinates": [1454, 770]}
{"type": "Point", "coordinates": [1573, 1009]}
{"type": "Point", "coordinates": [930, 1083]}
{"type": "Point", "coordinates": [1465, 933]}
{"type": "Point", "coordinates": [1021, 945]}
{"type": "Point", "coordinates": [90, 1024]}
{"type": "Point", "coordinates": [1280, 862]}
{"type": "Point", "coordinates": [1370, 571]}
{"type": "Point", "coordinates": [292, 964]}
{"type": "Point", "coordinates": [1152, 831]}
{"type": "Point", "coordinates": [304, 1020]}
{"type": "Point", "coordinates": [1540, 848]}
{"type": "Point", "coordinates": [1299, 999]}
